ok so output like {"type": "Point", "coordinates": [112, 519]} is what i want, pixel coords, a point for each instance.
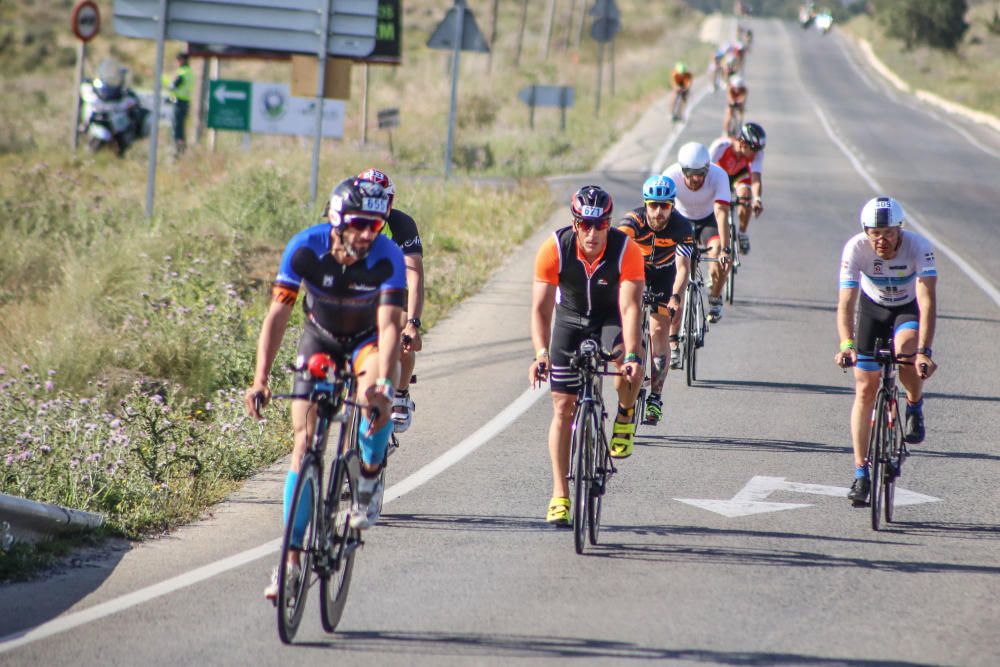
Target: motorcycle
{"type": "Point", "coordinates": [112, 115]}
{"type": "Point", "coordinates": [823, 23]}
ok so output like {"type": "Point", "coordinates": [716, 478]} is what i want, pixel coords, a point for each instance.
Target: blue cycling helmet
{"type": "Point", "coordinates": [659, 188]}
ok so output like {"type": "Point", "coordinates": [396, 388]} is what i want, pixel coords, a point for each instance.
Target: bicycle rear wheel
{"type": "Point", "coordinates": [893, 448]}
{"type": "Point", "coordinates": [690, 340]}
{"type": "Point", "coordinates": [291, 601]}
{"type": "Point", "coordinates": [598, 475]}
{"type": "Point", "coordinates": [730, 287]}
{"type": "Point", "coordinates": [582, 436]}
{"type": "Point", "coordinates": [876, 445]}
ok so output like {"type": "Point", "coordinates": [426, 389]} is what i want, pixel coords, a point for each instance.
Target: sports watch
{"type": "Point", "coordinates": [415, 321]}
{"type": "Point", "coordinates": [926, 351]}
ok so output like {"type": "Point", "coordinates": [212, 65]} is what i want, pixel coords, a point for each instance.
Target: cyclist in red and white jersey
{"type": "Point", "coordinates": [743, 160]}
{"type": "Point", "coordinates": [894, 271]}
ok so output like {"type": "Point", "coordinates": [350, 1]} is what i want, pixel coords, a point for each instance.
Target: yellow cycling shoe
{"type": "Point", "coordinates": [621, 443]}
{"type": "Point", "coordinates": [558, 511]}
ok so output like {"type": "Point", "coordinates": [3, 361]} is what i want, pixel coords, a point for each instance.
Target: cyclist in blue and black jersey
{"type": "Point", "coordinates": [355, 289]}
{"type": "Point", "coordinates": [667, 241]}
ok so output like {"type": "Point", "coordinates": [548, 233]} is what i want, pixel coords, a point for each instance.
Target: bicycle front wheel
{"type": "Point", "coordinates": [893, 448]}
{"type": "Point", "coordinates": [600, 466]}
{"type": "Point", "coordinates": [876, 444]}
{"type": "Point", "coordinates": [342, 541]}
{"type": "Point", "coordinates": [690, 339]}
{"type": "Point", "coordinates": [583, 437]}
{"type": "Point", "coordinates": [292, 593]}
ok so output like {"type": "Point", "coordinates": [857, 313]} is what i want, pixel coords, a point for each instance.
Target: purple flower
{"type": "Point", "coordinates": [115, 423]}
{"type": "Point", "coordinates": [45, 449]}
{"type": "Point", "coordinates": [25, 367]}
{"type": "Point", "coordinates": [49, 385]}
{"type": "Point", "coordinates": [25, 455]}
{"type": "Point", "coordinates": [208, 406]}
{"type": "Point", "coordinates": [156, 398]}
{"type": "Point", "coordinates": [3, 371]}
{"type": "Point", "coordinates": [210, 308]}
{"type": "Point", "coordinates": [10, 459]}
{"type": "Point", "coordinates": [93, 458]}
{"type": "Point", "coordinates": [74, 462]}
{"type": "Point", "coordinates": [51, 372]}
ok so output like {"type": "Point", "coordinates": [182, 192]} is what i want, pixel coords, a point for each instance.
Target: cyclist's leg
{"type": "Point", "coordinates": [623, 428]}
{"type": "Point", "coordinates": [905, 335]}
{"type": "Point", "coordinates": [660, 281]}
{"type": "Point", "coordinates": [873, 323]}
{"type": "Point", "coordinates": [743, 198]}
{"type": "Point", "coordinates": [372, 445]}
{"type": "Point", "coordinates": [564, 383]}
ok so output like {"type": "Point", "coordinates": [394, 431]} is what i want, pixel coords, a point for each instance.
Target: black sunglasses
{"type": "Point", "coordinates": [695, 172]}
{"type": "Point", "coordinates": [361, 223]}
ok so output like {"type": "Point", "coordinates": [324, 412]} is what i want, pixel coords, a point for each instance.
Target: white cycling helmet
{"type": "Point", "coordinates": [882, 212]}
{"type": "Point", "coordinates": [693, 155]}
{"type": "Point", "coordinates": [736, 81]}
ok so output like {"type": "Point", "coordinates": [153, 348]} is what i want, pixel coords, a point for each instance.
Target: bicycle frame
{"type": "Point", "coordinates": [886, 449]}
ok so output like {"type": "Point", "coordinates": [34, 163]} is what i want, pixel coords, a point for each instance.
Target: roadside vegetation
{"type": "Point", "coordinates": [966, 73]}
{"type": "Point", "coordinates": [125, 343]}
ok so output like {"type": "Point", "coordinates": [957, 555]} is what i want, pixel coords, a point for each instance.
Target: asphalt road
{"type": "Point", "coordinates": [463, 570]}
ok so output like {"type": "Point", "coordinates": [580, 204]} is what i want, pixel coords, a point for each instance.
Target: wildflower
{"type": "Point", "coordinates": [74, 462]}
{"type": "Point", "coordinates": [10, 459]}
{"type": "Point", "coordinates": [25, 455]}
{"type": "Point", "coordinates": [51, 372]}
{"type": "Point", "coordinates": [45, 449]}
{"type": "Point", "coordinates": [25, 367]}
{"type": "Point", "coordinates": [208, 406]}
{"type": "Point", "coordinates": [93, 458]}
{"type": "Point", "coordinates": [156, 398]}
{"type": "Point", "coordinates": [210, 308]}
{"type": "Point", "coordinates": [115, 423]}
{"type": "Point", "coordinates": [49, 385]}
{"type": "Point", "coordinates": [84, 401]}
{"type": "Point", "coordinates": [3, 371]}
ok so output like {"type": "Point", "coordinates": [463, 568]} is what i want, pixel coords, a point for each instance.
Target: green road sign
{"type": "Point", "coordinates": [229, 105]}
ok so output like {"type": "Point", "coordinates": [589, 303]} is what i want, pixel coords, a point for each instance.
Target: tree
{"type": "Point", "coordinates": [937, 23]}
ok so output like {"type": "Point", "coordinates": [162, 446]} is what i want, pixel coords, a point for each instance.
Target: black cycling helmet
{"type": "Point", "coordinates": [357, 196]}
{"type": "Point", "coordinates": [591, 203]}
{"type": "Point", "coordinates": [754, 135]}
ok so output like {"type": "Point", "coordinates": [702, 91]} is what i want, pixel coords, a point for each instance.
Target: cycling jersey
{"type": "Point", "coordinates": [658, 248]}
{"type": "Point", "coordinates": [738, 167]}
{"type": "Point", "coordinates": [887, 282]}
{"type": "Point", "coordinates": [402, 229]}
{"type": "Point", "coordinates": [682, 80]}
{"type": "Point", "coordinates": [700, 203]}
{"type": "Point", "coordinates": [341, 301]}
{"type": "Point", "coordinates": [588, 290]}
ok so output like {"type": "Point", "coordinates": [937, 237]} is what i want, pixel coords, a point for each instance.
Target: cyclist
{"type": "Point", "coordinates": [664, 236]}
{"type": "Point", "coordinates": [717, 68]}
{"type": "Point", "coordinates": [703, 198]}
{"type": "Point", "coordinates": [736, 99]}
{"type": "Point", "coordinates": [355, 289]}
{"type": "Point", "coordinates": [680, 81]}
{"type": "Point", "coordinates": [742, 158]}
{"type": "Point", "coordinates": [897, 277]}
{"type": "Point", "coordinates": [402, 229]}
{"type": "Point", "coordinates": [592, 276]}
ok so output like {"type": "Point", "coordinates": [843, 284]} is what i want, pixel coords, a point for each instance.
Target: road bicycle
{"type": "Point", "coordinates": [649, 300]}
{"type": "Point", "coordinates": [886, 449]}
{"type": "Point", "coordinates": [328, 544]}
{"type": "Point", "coordinates": [591, 465]}
{"type": "Point", "coordinates": [694, 323]}
{"type": "Point", "coordinates": [677, 110]}
{"type": "Point", "coordinates": [729, 290]}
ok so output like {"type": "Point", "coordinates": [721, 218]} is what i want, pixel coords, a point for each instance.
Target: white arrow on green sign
{"type": "Point", "coordinates": [229, 105]}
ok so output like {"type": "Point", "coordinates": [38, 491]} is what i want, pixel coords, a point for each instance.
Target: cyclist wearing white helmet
{"type": "Point", "coordinates": [736, 100]}
{"type": "Point", "coordinates": [896, 275]}
{"type": "Point", "coordinates": [703, 198]}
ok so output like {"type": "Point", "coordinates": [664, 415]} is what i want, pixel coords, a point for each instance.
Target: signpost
{"type": "Point", "coordinates": [457, 31]}
{"type": "Point", "coordinates": [229, 105]}
{"type": "Point", "coordinates": [547, 96]}
{"type": "Point", "coordinates": [607, 23]}
{"type": "Point", "coordinates": [388, 119]}
{"type": "Point", "coordinates": [320, 27]}
{"type": "Point", "coordinates": [85, 21]}
{"type": "Point", "coordinates": [265, 107]}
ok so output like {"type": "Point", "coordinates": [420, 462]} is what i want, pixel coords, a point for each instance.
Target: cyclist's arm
{"type": "Point", "coordinates": [927, 303]}
{"type": "Point", "coordinates": [543, 300]}
{"type": "Point", "coordinates": [272, 332]}
{"type": "Point", "coordinates": [389, 332]}
{"type": "Point", "coordinates": [681, 276]}
{"type": "Point", "coordinates": [846, 302]}
{"type": "Point", "coordinates": [757, 187]}
{"type": "Point", "coordinates": [722, 222]}
{"type": "Point", "coordinates": [630, 305]}
{"type": "Point", "coordinates": [414, 295]}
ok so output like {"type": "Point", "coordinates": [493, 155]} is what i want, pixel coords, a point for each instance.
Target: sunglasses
{"type": "Point", "coordinates": [659, 204]}
{"type": "Point", "coordinates": [587, 225]}
{"type": "Point", "coordinates": [695, 172]}
{"type": "Point", "coordinates": [361, 223]}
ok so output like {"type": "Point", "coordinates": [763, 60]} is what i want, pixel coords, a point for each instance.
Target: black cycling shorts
{"type": "Point", "coordinates": [877, 321]}
{"type": "Point", "coordinates": [355, 348]}
{"type": "Point", "coordinates": [661, 281]}
{"type": "Point", "coordinates": [567, 334]}
{"type": "Point", "coordinates": [705, 229]}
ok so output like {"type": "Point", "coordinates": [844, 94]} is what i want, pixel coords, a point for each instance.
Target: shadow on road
{"type": "Point", "coordinates": [774, 387]}
{"type": "Point", "coordinates": [741, 444]}
{"type": "Point", "coordinates": [955, 530]}
{"type": "Point", "coordinates": [465, 522]}
{"type": "Point", "coordinates": [471, 645]}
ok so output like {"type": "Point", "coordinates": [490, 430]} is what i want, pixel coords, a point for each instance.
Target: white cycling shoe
{"type": "Point", "coordinates": [291, 576]}
{"type": "Point", "coordinates": [367, 508]}
{"type": "Point", "coordinates": [402, 413]}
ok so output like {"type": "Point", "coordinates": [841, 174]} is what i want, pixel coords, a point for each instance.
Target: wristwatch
{"type": "Point", "coordinates": [926, 351]}
{"type": "Point", "coordinates": [728, 250]}
{"type": "Point", "coordinates": [415, 321]}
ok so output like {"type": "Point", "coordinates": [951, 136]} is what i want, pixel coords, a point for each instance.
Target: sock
{"type": "Point", "coordinates": [915, 407]}
{"type": "Point", "coordinates": [373, 446]}
{"type": "Point", "coordinates": [861, 471]}
{"type": "Point", "coordinates": [304, 510]}
{"type": "Point", "coordinates": [627, 413]}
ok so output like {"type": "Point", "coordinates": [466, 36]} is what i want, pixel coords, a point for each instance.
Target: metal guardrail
{"type": "Point", "coordinates": [30, 521]}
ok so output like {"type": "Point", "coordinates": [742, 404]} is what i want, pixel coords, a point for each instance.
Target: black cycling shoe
{"type": "Point", "coordinates": [859, 491]}
{"type": "Point", "coordinates": [914, 433]}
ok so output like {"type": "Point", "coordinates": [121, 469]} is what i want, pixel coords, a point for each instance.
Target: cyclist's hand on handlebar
{"type": "Point", "coordinates": [847, 358]}
{"type": "Point", "coordinates": [538, 373]}
{"type": "Point", "coordinates": [632, 370]}
{"type": "Point", "coordinates": [256, 399]}
{"type": "Point", "coordinates": [925, 366]}
{"type": "Point", "coordinates": [758, 207]}
{"type": "Point", "coordinates": [411, 339]}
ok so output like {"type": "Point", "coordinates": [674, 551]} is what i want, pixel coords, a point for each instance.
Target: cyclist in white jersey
{"type": "Point", "coordinates": [703, 197]}
{"type": "Point", "coordinates": [897, 278]}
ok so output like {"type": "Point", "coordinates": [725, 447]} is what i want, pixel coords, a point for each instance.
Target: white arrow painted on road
{"type": "Point", "coordinates": [751, 499]}
{"type": "Point", "coordinates": [221, 94]}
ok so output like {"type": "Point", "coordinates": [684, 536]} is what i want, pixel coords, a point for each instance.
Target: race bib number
{"type": "Point", "coordinates": [375, 205]}
{"type": "Point", "coordinates": [592, 212]}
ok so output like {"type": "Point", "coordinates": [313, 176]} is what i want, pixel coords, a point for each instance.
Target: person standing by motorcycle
{"type": "Point", "coordinates": [180, 90]}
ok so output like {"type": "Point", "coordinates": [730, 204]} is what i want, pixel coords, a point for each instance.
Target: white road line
{"type": "Point", "coordinates": [976, 277]}
{"type": "Point", "coordinates": [505, 418]}
{"type": "Point", "coordinates": [857, 68]}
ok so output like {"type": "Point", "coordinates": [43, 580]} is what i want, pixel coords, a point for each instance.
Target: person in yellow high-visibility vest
{"type": "Point", "coordinates": [181, 89]}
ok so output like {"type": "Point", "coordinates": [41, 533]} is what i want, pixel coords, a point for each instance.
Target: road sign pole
{"type": "Point", "coordinates": [364, 110]}
{"type": "Point", "coordinates": [157, 91]}
{"type": "Point", "coordinates": [600, 75]}
{"type": "Point", "coordinates": [216, 71]}
{"type": "Point", "coordinates": [320, 80]}
{"type": "Point", "coordinates": [459, 24]}
{"type": "Point", "coordinates": [612, 67]}
{"type": "Point", "coordinates": [202, 115]}
{"type": "Point", "coordinates": [81, 56]}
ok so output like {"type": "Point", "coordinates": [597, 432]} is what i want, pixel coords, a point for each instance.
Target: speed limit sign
{"type": "Point", "coordinates": [86, 20]}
